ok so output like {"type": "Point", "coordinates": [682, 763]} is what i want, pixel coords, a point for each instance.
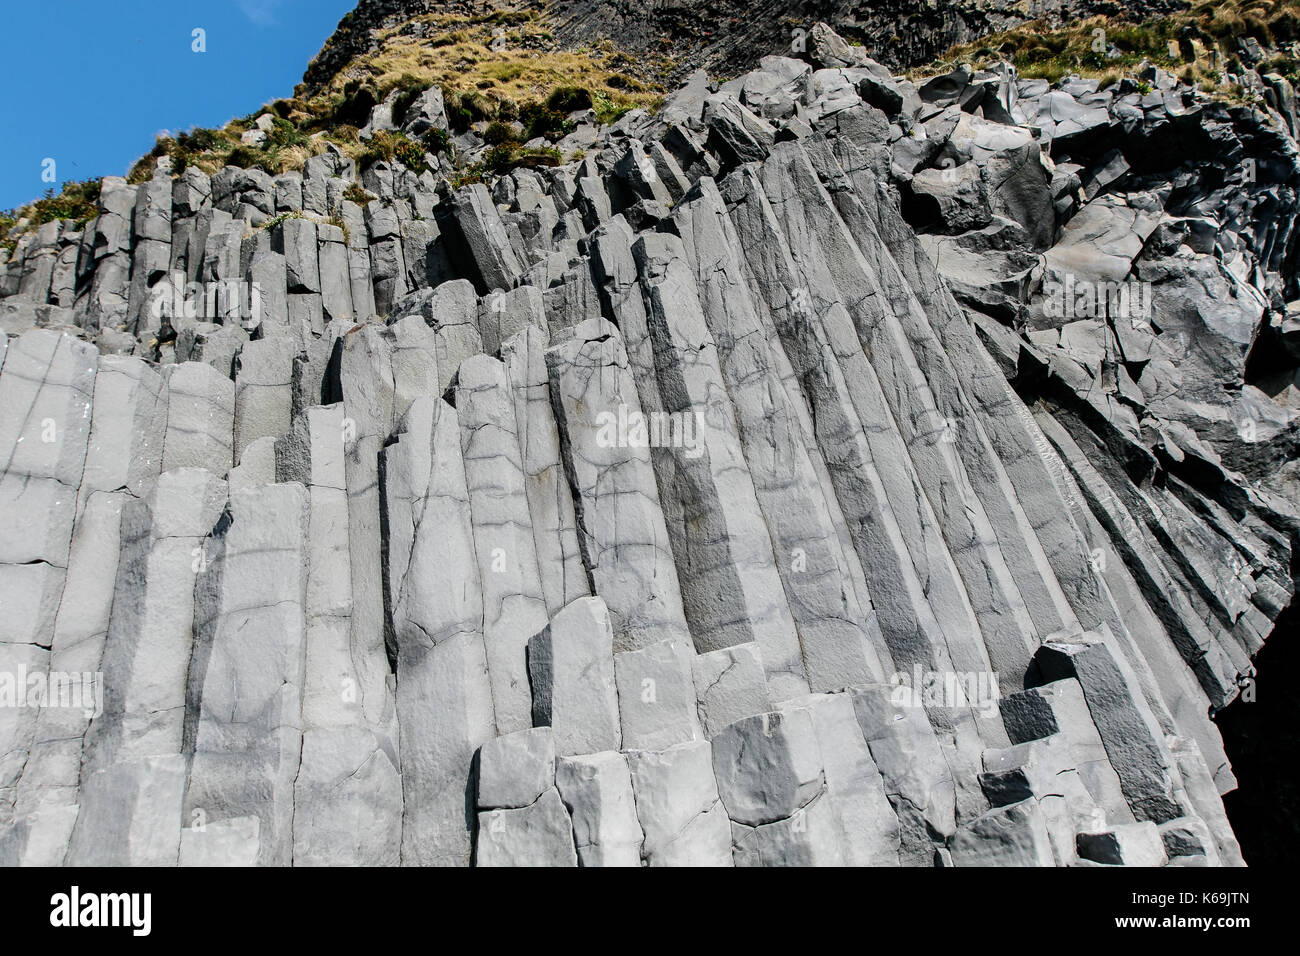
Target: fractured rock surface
{"type": "Point", "coordinates": [775, 486]}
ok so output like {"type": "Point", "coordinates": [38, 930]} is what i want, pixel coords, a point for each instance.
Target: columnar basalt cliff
{"type": "Point", "coordinates": [820, 469]}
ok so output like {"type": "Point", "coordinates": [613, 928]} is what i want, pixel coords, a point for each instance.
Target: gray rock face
{"type": "Point", "coordinates": [571, 671]}
{"type": "Point", "coordinates": [597, 790]}
{"type": "Point", "coordinates": [537, 835]}
{"type": "Point", "coordinates": [243, 736]}
{"type": "Point", "coordinates": [200, 418]}
{"type": "Point", "coordinates": [427, 112]}
{"type": "Point", "coordinates": [768, 767]}
{"type": "Point", "coordinates": [150, 640]}
{"type": "Point", "coordinates": [514, 608]}
{"type": "Point", "coordinates": [564, 576]}
{"type": "Point", "coordinates": [736, 133]}
{"type": "Point", "coordinates": [656, 694]}
{"type": "Point", "coordinates": [621, 530]}
{"type": "Point", "coordinates": [130, 815]}
{"type": "Point", "coordinates": [822, 471]}
{"type": "Point", "coordinates": [731, 591]}
{"type": "Point", "coordinates": [485, 239]}
{"type": "Point", "coordinates": [515, 769]}
{"type": "Point", "coordinates": [684, 821]}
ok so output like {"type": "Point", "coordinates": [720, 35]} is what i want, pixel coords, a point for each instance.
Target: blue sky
{"type": "Point", "coordinates": [90, 83]}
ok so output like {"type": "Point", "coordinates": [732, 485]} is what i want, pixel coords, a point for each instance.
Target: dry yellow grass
{"type": "Point", "coordinates": [519, 63]}
{"type": "Point", "coordinates": [1038, 50]}
{"type": "Point", "coordinates": [504, 61]}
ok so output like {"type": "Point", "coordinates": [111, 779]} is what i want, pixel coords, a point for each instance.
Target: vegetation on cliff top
{"type": "Point", "coordinates": [495, 70]}
{"type": "Point", "coordinates": [503, 74]}
{"type": "Point", "coordinates": [76, 202]}
{"type": "Point", "coordinates": [502, 67]}
{"type": "Point", "coordinates": [1199, 44]}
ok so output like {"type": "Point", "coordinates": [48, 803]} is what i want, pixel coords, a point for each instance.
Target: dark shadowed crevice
{"type": "Point", "coordinates": [1262, 739]}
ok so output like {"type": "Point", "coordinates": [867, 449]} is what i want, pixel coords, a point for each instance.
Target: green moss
{"type": "Point", "coordinates": [465, 109]}
{"type": "Point", "coordinates": [286, 135]}
{"type": "Point", "coordinates": [500, 159]}
{"type": "Point", "coordinates": [534, 156]}
{"type": "Point", "coordinates": [437, 141]}
{"type": "Point", "coordinates": [410, 154]}
{"type": "Point", "coordinates": [468, 176]}
{"type": "Point", "coordinates": [199, 140]}
{"type": "Point", "coordinates": [1049, 70]}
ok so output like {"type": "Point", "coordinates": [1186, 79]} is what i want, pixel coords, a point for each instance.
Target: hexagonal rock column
{"type": "Point", "coordinates": [677, 802]}
{"type": "Point", "coordinates": [1014, 835]}
{"type": "Point", "coordinates": [916, 776]}
{"type": "Point", "coordinates": [771, 780]}
{"type": "Point", "coordinates": [444, 694]}
{"type": "Point", "coordinates": [150, 636]}
{"type": "Point", "coordinates": [480, 239]}
{"type": "Point", "coordinates": [200, 418]}
{"type": "Point", "coordinates": [363, 357]}
{"type": "Point", "coordinates": [597, 789]}
{"type": "Point", "coordinates": [731, 590]}
{"type": "Point", "coordinates": [729, 685]}
{"type": "Point", "coordinates": [823, 586]}
{"type": "Point", "coordinates": [656, 696]}
{"type": "Point", "coordinates": [622, 534]}
{"type": "Point", "coordinates": [571, 669]}
{"type": "Point", "coordinates": [263, 390]}
{"type": "Point", "coordinates": [52, 775]}
{"type": "Point", "coordinates": [128, 432]}
{"type": "Point", "coordinates": [513, 607]}
{"type": "Point", "coordinates": [868, 829]}
{"type": "Point", "coordinates": [521, 820]}
{"type": "Point", "coordinates": [347, 796]}
{"type": "Point", "coordinates": [1134, 745]}
{"type": "Point", "coordinates": [130, 814]}
{"type": "Point", "coordinates": [550, 501]}
{"type": "Point", "coordinates": [244, 710]}
{"type": "Point", "coordinates": [46, 391]}
{"type": "Point", "coordinates": [1060, 708]}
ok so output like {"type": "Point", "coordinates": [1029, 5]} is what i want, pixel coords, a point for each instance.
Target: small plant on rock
{"type": "Point", "coordinates": [356, 194]}
{"type": "Point", "coordinates": [437, 141]}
